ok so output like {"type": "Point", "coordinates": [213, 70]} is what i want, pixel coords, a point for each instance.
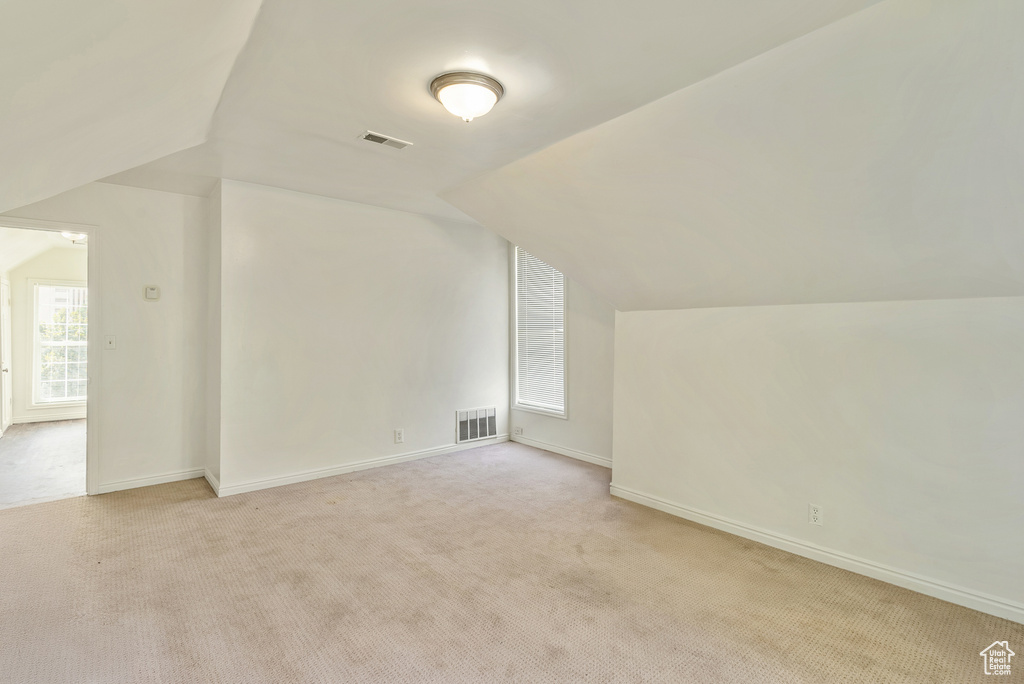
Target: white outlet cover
{"type": "Point", "coordinates": [815, 515]}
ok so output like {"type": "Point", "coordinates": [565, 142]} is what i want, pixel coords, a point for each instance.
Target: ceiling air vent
{"type": "Point", "coordinates": [385, 140]}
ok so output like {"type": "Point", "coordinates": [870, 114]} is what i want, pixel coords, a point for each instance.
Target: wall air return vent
{"type": "Point", "coordinates": [385, 140]}
{"type": "Point", "coordinates": [472, 424]}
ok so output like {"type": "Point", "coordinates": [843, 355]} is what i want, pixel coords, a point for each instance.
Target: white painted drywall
{"type": "Point", "coordinates": [71, 265]}
{"type": "Point", "coordinates": [587, 429]}
{"type": "Point", "coordinates": [341, 322]}
{"type": "Point", "coordinates": [877, 158]}
{"type": "Point", "coordinates": [902, 419]}
{"type": "Point", "coordinates": [211, 330]}
{"type": "Point", "coordinates": [145, 395]}
{"type": "Point", "coordinates": [316, 73]}
{"type": "Point", "coordinates": [94, 88]}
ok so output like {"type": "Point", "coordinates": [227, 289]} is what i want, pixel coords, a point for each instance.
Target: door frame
{"type": "Point", "coordinates": [94, 346]}
{"type": "Point", "coordinates": [6, 342]}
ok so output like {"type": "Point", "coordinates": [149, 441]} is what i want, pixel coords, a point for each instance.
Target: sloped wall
{"type": "Point", "coordinates": [874, 159]}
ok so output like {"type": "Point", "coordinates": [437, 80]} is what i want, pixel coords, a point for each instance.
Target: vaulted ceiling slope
{"type": "Point", "coordinates": [93, 88]}
{"type": "Point", "coordinates": [879, 158]}
{"type": "Point", "coordinates": [317, 73]}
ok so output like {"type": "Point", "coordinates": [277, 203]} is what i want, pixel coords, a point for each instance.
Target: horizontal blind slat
{"type": "Point", "coordinates": [540, 333]}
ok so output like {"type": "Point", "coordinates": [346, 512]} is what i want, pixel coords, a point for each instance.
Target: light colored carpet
{"type": "Point", "coordinates": [500, 564]}
{"type": "Point", "coordinates": [42, 462]}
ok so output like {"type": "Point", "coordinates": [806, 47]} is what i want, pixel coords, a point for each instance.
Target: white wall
{"type": "Point", "coordinates": [901, 419]}
{"type": "Point", "coordinates": [211, 329]}
{"type": "Point", "coordinates": [70, 265]}
{"type": "Point", "coordinates": [341, 322]}
{"type": "Point", "coordinates": [586, 433]}
{"type": "Point", "coordinates": [293, 333]}
{"type": "Point", "coordinates": [146, 413]}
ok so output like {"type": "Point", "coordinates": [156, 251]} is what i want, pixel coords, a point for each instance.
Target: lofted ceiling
{"type": "Point", "coordinates": [665, 153]}
{"type": "Point", "coordinates": [317, 73]}
{"type": "Point", "coordinates": [93, 88]}
{"type": "Point", "coordinates": [879, 158]}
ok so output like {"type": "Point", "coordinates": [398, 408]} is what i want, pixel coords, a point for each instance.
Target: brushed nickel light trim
{"type": "Point", "coordinates": [465, 78]}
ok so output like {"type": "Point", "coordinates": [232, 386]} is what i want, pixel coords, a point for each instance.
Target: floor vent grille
{"type": "Point", "coordinates": [473, 424]}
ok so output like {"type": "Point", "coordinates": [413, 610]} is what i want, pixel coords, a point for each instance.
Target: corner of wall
{"type": "Point", "coordinates": [882, 412]}
{"type": "Point", "coordinates": [586, 432]}
{"type": "Point", "coordinates": [212, 336]}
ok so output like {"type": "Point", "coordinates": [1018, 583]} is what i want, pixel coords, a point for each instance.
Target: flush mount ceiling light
{"type": "Point", "coordinates": [466, 94]}
{"type": "Point", "coordinates": [74, 237]}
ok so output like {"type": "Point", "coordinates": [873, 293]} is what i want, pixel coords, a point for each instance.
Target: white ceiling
{"type": "Point", "coordinates": [18, 245]}
{"type": "Point", "coordinates": [800, 151]}
{"type": "Point", "coordinates": [317, 73]}
{"type": "Point", "coordinates": [880, 158]}
{"type": "Point", "coordinates": [92, 88]}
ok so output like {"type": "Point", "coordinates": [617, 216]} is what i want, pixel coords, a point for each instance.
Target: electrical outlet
{"type": "Point", "coordinates": [399, 436]}
{"type": "Point", "coordinates": [518, 432]}
{"type": "Point", "coordinates": [815, 515]}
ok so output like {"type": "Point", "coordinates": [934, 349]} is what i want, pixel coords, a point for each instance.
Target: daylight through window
{"type": "Point", "coordinates": [540, 335]}
{"type": "Point", "coordinates": [61, 335]}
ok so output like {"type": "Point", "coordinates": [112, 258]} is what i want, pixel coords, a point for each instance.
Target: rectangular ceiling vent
{"type": "Point", "coordinates": [472, 424]}
{"type": "Point", "coordinates": [385, 140]}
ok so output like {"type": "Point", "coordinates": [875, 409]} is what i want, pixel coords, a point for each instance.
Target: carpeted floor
{"type": "Point", "coordinates": [500, 564]}
{"type": "Point", "coordinates": [42, 462]}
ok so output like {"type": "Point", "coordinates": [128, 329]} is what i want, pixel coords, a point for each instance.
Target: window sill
{"type": "Point", "coordinates": [563, 415]}
{"type": "Point", "coordinates": [58, 404]}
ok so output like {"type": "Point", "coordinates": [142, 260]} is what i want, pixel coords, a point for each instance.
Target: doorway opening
{"type": "Point", "coordinates": [44, 362]}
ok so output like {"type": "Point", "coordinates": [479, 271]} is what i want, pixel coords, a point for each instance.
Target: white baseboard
{"type": "Point", "coordinates": [564, 451]}
{"type": "Point", "coordinates": [108, 487]}
{"type": "Point", "coordinates": [49, 417]}
{"type": "Point", "coordinates": [213, 481]}
{"type": "Point", "coordinates": [986, 603]}
{"type": "Point", "coordinates": [380, 461]}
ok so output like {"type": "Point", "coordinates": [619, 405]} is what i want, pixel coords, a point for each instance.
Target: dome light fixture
{"type": "Point", "coordinates": [74, 237]}
{"type": "Point", "coordinates": [466, 94]}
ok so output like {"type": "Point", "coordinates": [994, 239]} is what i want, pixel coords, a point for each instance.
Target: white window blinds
{"type": "Point", "coordinates": [540, 334]}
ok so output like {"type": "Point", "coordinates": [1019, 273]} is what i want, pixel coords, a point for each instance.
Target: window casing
{"type": "Point", "coordinates": [59, 358]}
{"type": "Point", "coordinates": [539, 377]}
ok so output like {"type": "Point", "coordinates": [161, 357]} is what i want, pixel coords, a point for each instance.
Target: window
{"type": "Point", "coordinates": [61, 324]}
{"type": "Point", "coordinates": [539, 377]}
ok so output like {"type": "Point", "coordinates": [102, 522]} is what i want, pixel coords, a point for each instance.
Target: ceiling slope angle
{"type": "Point", "coordinates": [316, 74]}
{"type": "Point", "coordinates": [879, 158]}
{"type": "Point", "coordinates": [93, 88]}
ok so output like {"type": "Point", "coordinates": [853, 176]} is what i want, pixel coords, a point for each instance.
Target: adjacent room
{"type": "Point", "coordinates": [512, 342]}
{"type": "Point", "coordinates": [44, 361]}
